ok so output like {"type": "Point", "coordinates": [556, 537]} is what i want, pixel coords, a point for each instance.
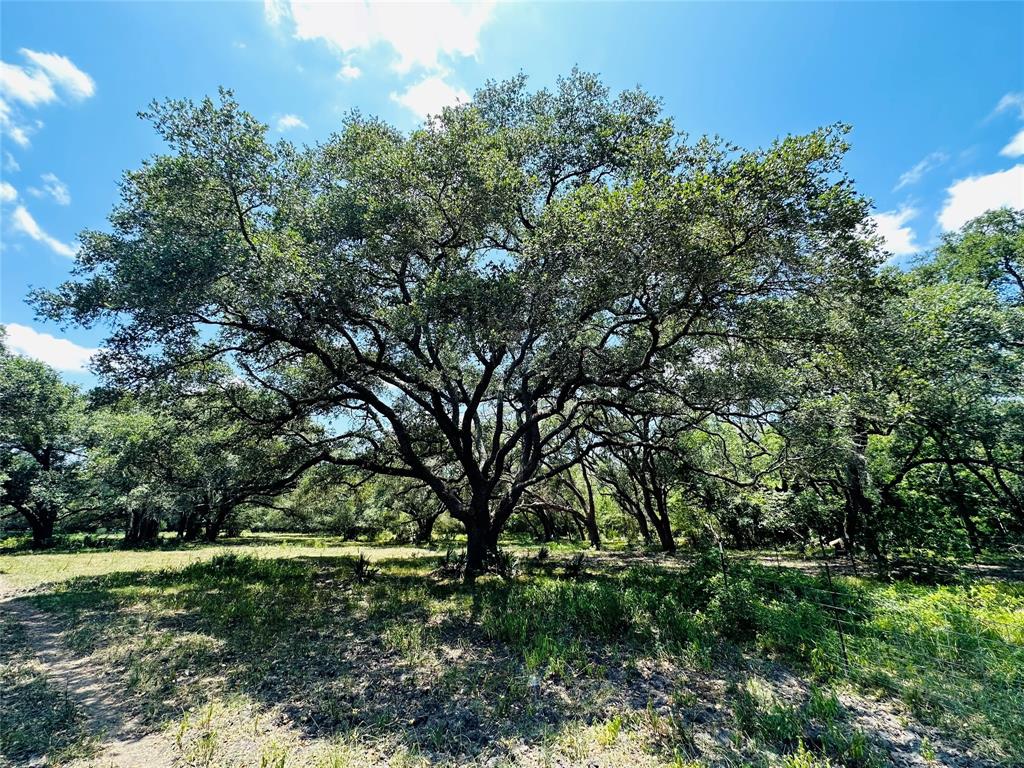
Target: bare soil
{"type": "Point", "coordinates": [121, 738]}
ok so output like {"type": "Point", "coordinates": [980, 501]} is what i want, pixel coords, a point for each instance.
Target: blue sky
{"type": "Point", "coordinates": [934, 92]}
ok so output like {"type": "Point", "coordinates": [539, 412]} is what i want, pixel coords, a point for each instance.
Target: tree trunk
{"type": "Point", "coordinates": [190, 524]}
{"type": "Point", "coordinates": [859, 505]}
{"type": "Point", "coordinates": [641, 523]}
{"type": "Point", "coordinates": [213, 529]}
{"type": "Point", "coordinates": [481, 540]}
{"type": "Point", "coordinates": [957, 499]}
{"type": "Point", "coordinates": [593, 534]}
{"type": "Point", "coordinates": [42, 530]}
{"type": "Point", "coordinates": [547, 524]}
{"type": "Point", "coordinates": [476, 551]}
{"type": "Point", "coordinates": [665, 537]}
{"type": "Point", "coordinates": [216, 522]}
{"type": "Point", "coordinates": [425, 529]}
{"type": "Point", "coordinates": [142, 528]}
{"type": "Point", "coordinates": [657, 510]}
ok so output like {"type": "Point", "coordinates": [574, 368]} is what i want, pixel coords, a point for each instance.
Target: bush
{"type": "Point", "coordinates": [733, 608]}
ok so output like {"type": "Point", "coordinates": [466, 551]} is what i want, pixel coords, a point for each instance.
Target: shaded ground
{"type": "Point", "coordinates": [295, 661]}
{"type": "Point", "coordinates": [1009, 569]}
{"type": "Point", "coordinates": [118, 735]}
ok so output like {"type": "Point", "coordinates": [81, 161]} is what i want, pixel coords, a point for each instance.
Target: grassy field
{"type": "Point", "coordinates": [299, 651]}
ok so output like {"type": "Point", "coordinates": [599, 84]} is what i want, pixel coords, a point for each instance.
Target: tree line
{"type": "Point", "coordinates": [542, 311]}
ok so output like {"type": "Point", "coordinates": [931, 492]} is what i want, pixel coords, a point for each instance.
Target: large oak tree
{"type": "Point", "coordinates": [452, 303]}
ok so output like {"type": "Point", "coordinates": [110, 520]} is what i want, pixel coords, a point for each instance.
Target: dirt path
{"type": "Point", "coordinates": [122, 738]}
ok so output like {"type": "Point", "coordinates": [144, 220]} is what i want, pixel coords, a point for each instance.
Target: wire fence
{"type": "Point", "coordinates": [954, 655]}
{"type": "Point", "coordinates": [939, 650]}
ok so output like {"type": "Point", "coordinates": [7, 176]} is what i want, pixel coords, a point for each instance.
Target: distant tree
{"type": "Point", "coordinates": [42, 423]}
{"type": "Point", "coordinates": [570, 498]}
{"type": "Point", "coordinates": [641, 465]}
{"type": "Point", "coordinates": [453, 302]}
{"type": "Point", "coordinates": [987, 251]}
{"type": "Point", "coordinates": [413, 504]}
{"type": "Point", "coordinates": [191, 458]}
{"type": "Point", "coordinates": [127, 447]}
{"type": "Point", "coordinates": [912, 424]}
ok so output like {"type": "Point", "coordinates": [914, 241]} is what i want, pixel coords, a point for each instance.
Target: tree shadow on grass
{"type": "Point", "coordinates": [400, 656]}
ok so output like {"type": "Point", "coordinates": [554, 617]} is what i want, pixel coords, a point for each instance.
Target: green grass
{"type": "Point", "coordinates": [955, 655]}
{"type": "Point", "coordinates": [22, 568]}
{"type": "Point", "coordinates": [297, 648]}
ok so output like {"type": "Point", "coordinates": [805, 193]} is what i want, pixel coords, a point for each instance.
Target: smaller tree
{"type": "Point", "coordinates": [41, 426]}
{"type": "Point", "coordinates": [190, 455]}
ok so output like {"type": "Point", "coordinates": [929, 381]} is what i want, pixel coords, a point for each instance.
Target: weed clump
{"type": "Point", "coordinates": [363, 569]}
{"type": "Point", "coordinates": [574, 567]}
{"type": "Point", "coordinates": [452, 565]}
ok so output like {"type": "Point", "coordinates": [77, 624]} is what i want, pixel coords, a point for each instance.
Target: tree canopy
{"type": "Point", "coordinates": [457, 301]}
{"type": "Point", "coordinates": [544, 303]}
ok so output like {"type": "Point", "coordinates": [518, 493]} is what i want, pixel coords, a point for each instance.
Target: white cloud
{"type": "Point", "coordinates": [62, 354]}
{"type": "Point", "coordinates": [892, 226]}
{"type": "Point", "coordinates": [42, 80]}
{"type": "Point", "coordinates": [288, 122]}
{"type": "Point", "coordinates": [349, 71]}
{"type": "Point", "coordinates": [54, 188]}
{"type": "Point", "coordinates": [274, 11]}
{"type": "Point", "coordinates": [429, 96]}
{"type": "Point", "coordinates": [13, 129]}
{"type": "Point", "coordinates": [62, 72]}
{"type": "Point", "coordinates": [39, 81]}
{"type": "Point", "coordinates": [10, 164]}
{"type": "Point", "coordinates": [1016, 146]}
{"type": "Point", "coordinates": [420, 33]}
{"type": "Point", "coordinates": [29, 86]}
{"type": "Point", "coordinates": [18, 134]}
{"type": "Point", "coordinates": [972, 196]}
{"type": "Point", "coordinates": [7, 192]}
{"type": "Point", "coordinates": [1011, 101]}
{"type": "Point", "coordinates": [23, 222]}
{"type": "Point", "coordinates": [914, 175]}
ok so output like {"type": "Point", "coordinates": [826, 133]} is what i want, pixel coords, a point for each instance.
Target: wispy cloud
{"type": "Point", "coordinates": [423, 37]}
{"type": "Point", "coordinates": [53, 188]}
{"type": "Point", "coordinates": [430, 96]}
{"type": "Point", "coordinates": [915, 174]}
{"type": "Point", "coordinates": [1013, 101]}
{"type": "Point", "coordinates": [973, 196]}
{"type": "Point", "coordinates": [62, 354]}
{"type": "Point", "coordinates": [43, 79]}
{"type": "Point", "coordinates": [892, 227]}
{"type": "Point", "coordinates": [62, 72]}
{"type": "Point", "coordinates": [349, 71]}
{"type": "Point", "coordinates": [12, 127]}
{"type": "Point", "coordinates": [1016, 146]}
{"type": "Point", "coordinates": [289, 122]}
{"type": "Point", "coordinates": [22, 221]}
{"type": "Point", "coordinates": [8, 193]}
{"type": "Point", "coordinates": [25, 84]}
{"type": "Point", "coordinates": [420, 34]}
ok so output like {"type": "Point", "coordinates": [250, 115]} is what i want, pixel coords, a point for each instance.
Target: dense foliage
{"type": "Point", "coordinates": [541, 312]}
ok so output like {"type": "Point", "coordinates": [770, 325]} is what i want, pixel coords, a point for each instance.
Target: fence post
{"type": "Point", "coordinates": [835, 608]}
